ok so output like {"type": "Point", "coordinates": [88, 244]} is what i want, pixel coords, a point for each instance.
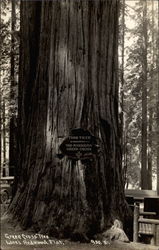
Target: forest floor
{"type": "Point", "coordinates": [14, 238]}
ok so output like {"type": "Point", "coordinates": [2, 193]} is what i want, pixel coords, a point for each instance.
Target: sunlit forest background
{"type": "Point", "coordinates": [139, 89]}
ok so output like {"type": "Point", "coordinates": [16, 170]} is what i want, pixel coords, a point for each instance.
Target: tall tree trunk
{"type": "Point", "coordinates": [151, 110]}
{"type": "Point", "coordinates": [150, 152]}
{"type": "Point", "coordinates": [1, 133]}
{"type": "Point", "coordinates": [68, 79]}
{"type": "Point", "coordinates": [13, 23]}
{"type": "Point", "coordinates": [4, 138]}
{"type": "Point", "coordinates": [158, 108]}
{"type": "Point", "coordinates": [144, 102]}
{"type": "Point", "coordinates": [123, 125]}
{"type": "Point", "coordinates": [12, 127]}
{"type": "Point", "coordinates": [122, 62]}
{"type": "Point", "coordinates": [1, 107]}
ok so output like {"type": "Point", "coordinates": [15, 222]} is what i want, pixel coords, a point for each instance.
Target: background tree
{"type": "Point", "coordinates": [0, 102]}
{"type": "Point", "coordinates": [135, 57]}
{"type": "Point", "coordinates": [13, 89]}
{"type": "Point", "coordinates": [9, 56]}
{"type": "Point", "coordinates": [4, 52]}
{"type": "Point", "coordinates": [68, 79]}
{"type": "Point", "coordinates": [144, 171]}
{"type": "Point", "coordinates": [158, 106]}
{"type": "Point", "coordinates": [122, 28]}
{"type": "Point", "coordinates": [151, 100]}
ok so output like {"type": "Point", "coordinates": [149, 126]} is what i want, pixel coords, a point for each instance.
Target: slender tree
{"type": "Point", "coordinates": [144, 101]}
{"type": "Point", "coordinates": [4, 137]}
{"type": "Point", "coordinates": [1, 131]}
{"type": "Point", "coordinates": [68, 79]}
{"type": "Point", "coordinates": [13, 25]}
{"type": "Point", "coordinates": [1, 104]}
{"type": "Point", "coordinates": [151, 108]}
{"type": "Point", "coordinates": [12, 133]}
{"type": "Point", "coordinates": [123, 123]}
{"type": "Point", "coordinates": [158, 107]}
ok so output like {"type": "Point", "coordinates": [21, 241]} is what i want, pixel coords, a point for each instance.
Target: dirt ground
{"type": "Point", "coordinates": [13, 238]}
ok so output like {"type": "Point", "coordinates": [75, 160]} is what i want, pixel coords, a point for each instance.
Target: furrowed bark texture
{"type": "Point", "coordinates": [68, 80]}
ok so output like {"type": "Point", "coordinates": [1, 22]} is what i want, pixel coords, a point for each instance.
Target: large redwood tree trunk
{"type": "Point", "coordinates": [68, 79]}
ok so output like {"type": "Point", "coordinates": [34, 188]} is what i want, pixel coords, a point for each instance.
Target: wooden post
{"type": "Point", "coordinates": [135, 223]}
{"type": "Point", "coordinates": [154, 231]}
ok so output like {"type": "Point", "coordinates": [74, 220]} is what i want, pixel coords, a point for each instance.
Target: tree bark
{"type": "Point", "coordinates": [68, 79]}
{"type": "Point", "coordinates": [151, 109]}
{"type": "Point", "coordinates": [1, 109]}
{"type": "Point", "coordinates": [158, 108]}
{"type": "Point", "coordinates": [122, 116]}
{"type": "Point", "coordinates": [1, 134]}
{"type": "Point", "coordinates": [12, 126]}
{"type": "Point", "coordinates": [144, 102]}
{"type": "Point", "coordinates": [5, 168]}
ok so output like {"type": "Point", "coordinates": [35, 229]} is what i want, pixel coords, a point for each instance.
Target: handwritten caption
{"type": "Point", "coordinates": [99, 242]}
{"type": "Point", "coordinates": [30, 239]}
{"type": "Point", "coordinates": [39, 239]}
